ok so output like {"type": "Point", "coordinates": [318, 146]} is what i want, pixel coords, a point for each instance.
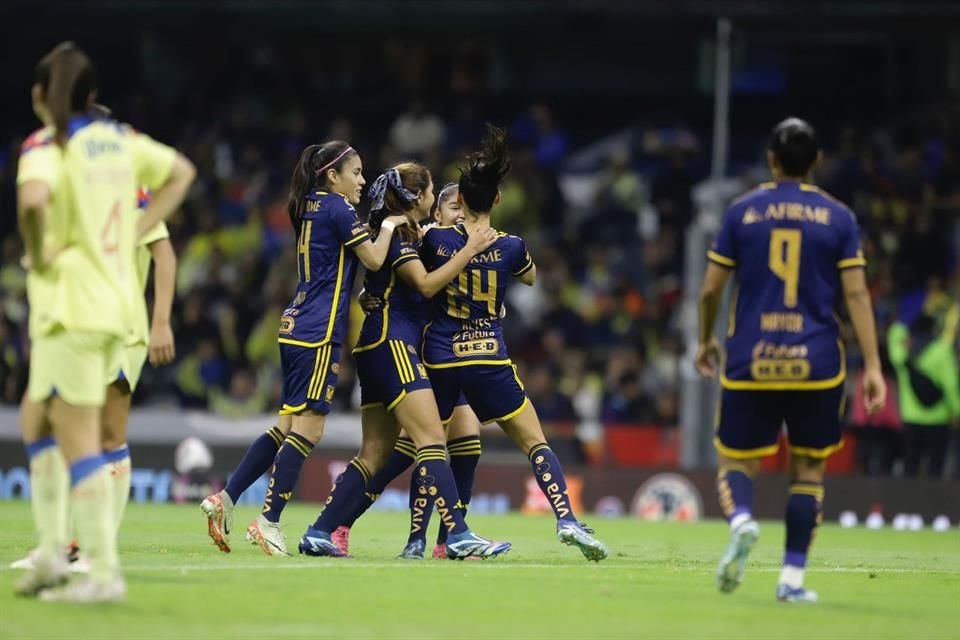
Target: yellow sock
{"type": "Point", "coordinates": [91, 500]}
{"type": "Point", "coordinates": [50, 490]}
{"type": "Point", "coordinates": [119, 464]}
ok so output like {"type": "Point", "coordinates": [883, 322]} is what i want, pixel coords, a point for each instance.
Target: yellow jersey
{"type": "Point", "coordinates": [41, 159]}
{"type": "Point", "coordinates": [93, 181]}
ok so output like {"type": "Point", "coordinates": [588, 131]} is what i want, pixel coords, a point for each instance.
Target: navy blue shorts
{"type": "Point", "coordinates": [388, 372]}
{"type": "Point", "coordinates": [309, 378]}
{"type": "Point", "coordinates": [494, 392]}
{"type": "Point", "coordinates": [749, 422]}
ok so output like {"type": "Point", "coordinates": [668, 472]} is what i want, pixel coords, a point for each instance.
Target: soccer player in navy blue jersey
{"type": "Point", "coordinates": [395, 388]}
{"type": "Point", "coordinates": [326, 183]}
{"type": "Point", "coordinates": [463, 432]}
{"type": "Point", "coordinates": [463, 348]}
{"type": "Point", "coordinates": [794, 252]}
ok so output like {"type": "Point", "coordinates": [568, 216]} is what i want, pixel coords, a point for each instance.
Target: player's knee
{"type": "Point", "coordinates": [807, 469]}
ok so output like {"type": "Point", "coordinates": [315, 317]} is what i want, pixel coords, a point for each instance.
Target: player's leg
{"type": "Point", "coordinates": [379, 435]}
{"type": "Point", "coordinates": [309, 380]}
{"type": "Point", "coordinates": [497, 395]}
{"type": "Point", "coordinates": [75, 413]}
{"type": "Point", "coordinates": [435, 485]}
{"type": "Point", "coordinates": [115, 415]}
{"type": "Point", "coordinates": [938, 440]}
{"type": "Point", "coordinates": [403, 455]}
{"type": "Point", "coordinates": [257, 461]}
{"type": "Point", "coordinates": [463, 447]}
{"type": "Point", "coordinates": [49, 485]}
{"type": "Point", "coordinates": [813, 423]}
{"type": "Point", "coordinates": [748, 425]}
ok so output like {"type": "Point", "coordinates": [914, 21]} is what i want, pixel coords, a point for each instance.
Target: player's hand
{"type": "Point", "coordinates": [707, 358]}
{"type": "Point", "coordinates": [480, 240]}
{"type": "Point", "coordinates": [874, 390]}
{"type": "Point", "coordinates": [369, 302]}
{"type": "Point", "coordinates": [162, 349]}
{"type": "Point", "coordinates": [398, 221]}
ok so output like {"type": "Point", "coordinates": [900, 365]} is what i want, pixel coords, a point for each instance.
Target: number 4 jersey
{"type": "Point", "coordinates": [465, 327]}
{"type": "Point", "coordinates": [787, 243]}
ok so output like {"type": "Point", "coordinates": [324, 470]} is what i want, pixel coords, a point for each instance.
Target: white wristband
{"type": "Point", "coordinates": [387, 225]}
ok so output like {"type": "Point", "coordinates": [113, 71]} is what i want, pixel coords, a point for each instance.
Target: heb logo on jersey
{"type": "Point", "coordinates": [486, 347]}
{"type": "Point", "coordinates": [668, 496]}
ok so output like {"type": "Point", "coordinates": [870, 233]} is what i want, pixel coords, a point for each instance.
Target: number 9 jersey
{"type": "Point", "coordinates": [787, 243]}
{"type": "Point", "coordinates": [466, 329]}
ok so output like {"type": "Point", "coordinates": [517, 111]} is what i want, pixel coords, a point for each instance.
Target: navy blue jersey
{"type": "Point", "coordinates": [405, 312]}
{"type": "Point", "coordinates": [465, 324]}
{"type": "Point", "coordinates": [787, 243]}
{"type": "Point", "coordinates": [326, 266]}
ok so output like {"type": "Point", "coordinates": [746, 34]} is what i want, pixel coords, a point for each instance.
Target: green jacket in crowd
{"type": "Point", "coordinates": [938, 362]}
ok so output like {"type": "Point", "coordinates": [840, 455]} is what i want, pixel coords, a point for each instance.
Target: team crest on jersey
{"type": "Point", "coordinates": [335, 368]}
{"type": "Point", "coordinates": [287, 324]}
{"type": "Point", "coordinates": [411, 349]}
{"type": "Point", "coordinates": [329, 395]}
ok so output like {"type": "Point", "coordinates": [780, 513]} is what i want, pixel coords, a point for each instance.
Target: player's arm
{"type": "Point", "coordinates": [168, 197]}
{"type": "Point", "coordinates": [711, 295]}
{"type": "Point", "coordinates": [373, 254]}
{"type": "Point", "coordinates": [430, 283]}
{"type": "Point", "coordinates": [162, 347]}
{"type": "Point", "coordinates": [857, 297]}
{"type": "Point", "coordinates": [525, 270]}
{"type": "Point", "coordinates": [33, 199]}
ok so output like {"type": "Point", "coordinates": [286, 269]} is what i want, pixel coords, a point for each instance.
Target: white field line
{"type": "Point", "coordinates": [334, 565]}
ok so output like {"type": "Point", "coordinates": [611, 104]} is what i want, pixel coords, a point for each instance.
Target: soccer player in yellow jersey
{"type": "Point", "coordinates": [77, 209]}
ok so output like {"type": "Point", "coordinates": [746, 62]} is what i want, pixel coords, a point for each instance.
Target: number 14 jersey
{"type": "Point", "coordinates": [787, 243]}
{"type": "Point", "coordinates": [465, 328]}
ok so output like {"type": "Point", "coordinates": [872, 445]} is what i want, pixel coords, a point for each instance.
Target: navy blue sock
{"type": "Point", "coordinates": [435, 487]}
{"type": "Point", "coordinates": [549, 475]}
{"type": "Point", "coordinates": [735, 490]}
{"type": "Point", "coordinates": [256, 462]}
{"type": "Point", "coordinates": [284, 475]}
{"type": "Point", "coordinates": [403, 455]}
{"type": "Point", "coordinates": [347, 489]}
{"type": "Point", "coordinates": [464, 457]}
{"type": "Point", "coordinates": [802, 518]}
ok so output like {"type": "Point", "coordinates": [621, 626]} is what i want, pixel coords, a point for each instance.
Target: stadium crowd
{"type": "Point", "coordinates": [598, 340]}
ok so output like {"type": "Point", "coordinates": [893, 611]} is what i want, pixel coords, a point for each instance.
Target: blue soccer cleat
{"type": "Point", "coordinates": [413, 550]}
{"type": "Point", "coordinates": [734, 561]}
{"type": "Point", "coordinates": [319, 544]}
{"type": "Point", "coordinates": [470, 545]}
{"type": "Point", "coordinates": [786, 593]}
{"type": "Point", "coordinates": [576, 534]}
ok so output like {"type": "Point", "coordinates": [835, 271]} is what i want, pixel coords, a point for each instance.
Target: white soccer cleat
{"type": "Point", "coordinates": [77, 563]}
{"type": "Point", "coordinates": [734, 561]}
{"type": "Point", "coordinates": [44, 573]}
{"type": "Point", "coordinates": [786, 593]}
{"type": "Point", "coordinates": [268, 536]}
{"type": "Point", "coordinates": [88, 591]}
{"type": "Point", "coordinates": [219, 511]}
{"type": "Point", "coordinates": [577, 535]}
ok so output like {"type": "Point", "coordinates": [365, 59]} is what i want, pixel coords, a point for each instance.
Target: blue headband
{"type": "Point", "coordinates": [378, 190]}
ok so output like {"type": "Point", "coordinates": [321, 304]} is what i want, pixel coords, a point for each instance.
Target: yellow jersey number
{"type": "Point", "coordinates": [785, 261]}
{"type": "Point", "coordinates": [472, 286]}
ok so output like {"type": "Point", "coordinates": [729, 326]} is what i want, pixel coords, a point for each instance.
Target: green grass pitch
{"type": "Point", "coordinates": [657, 583]}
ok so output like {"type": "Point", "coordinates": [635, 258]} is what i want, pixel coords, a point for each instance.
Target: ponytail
{"type": "Point", "coordinates": [310, 174]}
{"type": "Point", "coordinates": [69, 84]}
{"type": "Point", "coordinates": [480, 179]}
{"type": "Point", "coordinates": [395, 193]}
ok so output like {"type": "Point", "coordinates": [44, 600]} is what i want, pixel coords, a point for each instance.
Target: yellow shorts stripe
{"type": "Point", "coordinates": [398, 362]}
{"type": "Point", "coordinates": [517, 377]}
{"type": "Point", "coordinates": [403, 361]}
{"type": "Point", "coordinates": [288, 409]}
{"type": "Point", "coordinates": [397, 400]}
{"type": "Point", "coordinates": [512, 414]}
{"type": "Point", "coordinates": [810, 452]}
{"type": "Point", "coordinates": [370, 405]}
{"type": "Point", "coordinates": [320, 373]}
{"type": "Point", "coordinates": [745, 454]}
{"type": "Point", "coordinates": [317, 361]}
